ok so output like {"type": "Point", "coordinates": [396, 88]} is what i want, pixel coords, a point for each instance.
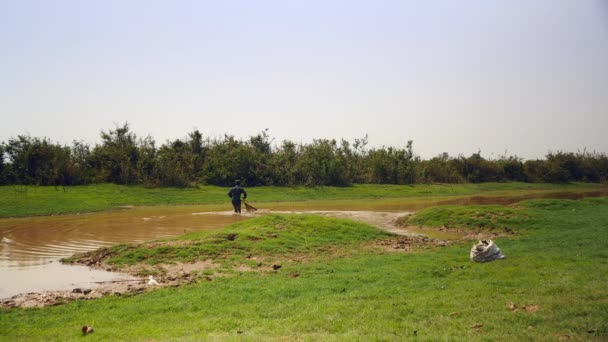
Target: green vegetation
{"type": "Point", "coordinates": [555, 275]}
{"type": "Point", "coordinates": [266, 236]}
{"type": "Point", "coordinates": [19, 201]}
{"type": "Point", "coordinates": [123, 158]}
{"type": "Point", "coordinates": [486, 216]}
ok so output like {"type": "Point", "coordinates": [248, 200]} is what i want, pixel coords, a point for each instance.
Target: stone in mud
{"type": "Point", "coordinates": [9, 304]}
{"type": "Point", "coordinates": [83, 291]}
{"type": "Point", "coordinates": [138, 289]}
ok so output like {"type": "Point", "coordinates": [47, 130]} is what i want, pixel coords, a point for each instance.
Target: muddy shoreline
{"type": "Point", "coordinates": [174, 275]}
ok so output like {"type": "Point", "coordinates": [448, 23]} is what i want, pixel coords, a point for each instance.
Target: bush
{"type": "Point", "coordinates": [123, 158]}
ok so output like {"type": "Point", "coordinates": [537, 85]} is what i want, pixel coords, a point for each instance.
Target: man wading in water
{"type": "Point", "coordinates": [235, 194]}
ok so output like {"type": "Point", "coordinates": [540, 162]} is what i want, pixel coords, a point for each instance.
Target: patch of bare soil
{"type": "Point", "coordinates": [50, 298]}
{"type": "Point", "coordinates": [396, 223]}
{"type": "Point", "coordinates": [168, 272]}
{"type": "Point", "coordinates": [531, 308]}
{"type": "Point", "coordinates": [93, 258]}
{"type": "Point", "coordinates": [383, 220]}
{"type": "Point", "coordinates": [463, 234]}
{"type": "Point", "coordinates": [409, 243]}
{"type": "Point", "coordinates": [170, 243]}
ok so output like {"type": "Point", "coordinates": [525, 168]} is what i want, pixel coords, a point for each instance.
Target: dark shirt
{"type": "Point", "coordinates": [235, 193]}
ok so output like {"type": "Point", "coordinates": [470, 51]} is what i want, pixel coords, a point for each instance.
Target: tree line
{"type": "Point", "coordinates": [124, 158]}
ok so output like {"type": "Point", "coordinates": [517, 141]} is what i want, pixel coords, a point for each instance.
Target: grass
{"type": "Point", "coordinates": [558, 266]}
{"type": "Point", "coordinates": [270, 235]}
{"type": "Point", "coordinates": [21, 201]}
{"type": "Point", "coordinates": [480, 216]}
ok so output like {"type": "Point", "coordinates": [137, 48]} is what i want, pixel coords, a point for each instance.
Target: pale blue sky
{"type": "Point", "coordinates": [520, 76]}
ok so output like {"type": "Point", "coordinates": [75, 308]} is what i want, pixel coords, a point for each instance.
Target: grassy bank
{"type": "Point", "coordinates": [19, 201]}
{"type": "Point", "coordinates": [254, 243]}
{"type": "Point", "coordinates": [555, 276]}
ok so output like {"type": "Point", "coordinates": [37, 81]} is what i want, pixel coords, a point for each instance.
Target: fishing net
{"type": "Point", "coordinates": [249, 207]}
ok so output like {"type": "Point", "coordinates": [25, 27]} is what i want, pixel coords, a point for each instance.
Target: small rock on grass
{"type": "Point", "coordinates": [83, 291]}
{"type": "Point", "coordinates": [86, 329]}
{"type": "Point", "coordinates": [528, 308]}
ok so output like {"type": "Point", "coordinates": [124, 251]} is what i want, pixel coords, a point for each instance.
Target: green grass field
{"type": "Point", "coordinates": [555, 267]}
{"type": "Point", "coordinates": [20, 201]}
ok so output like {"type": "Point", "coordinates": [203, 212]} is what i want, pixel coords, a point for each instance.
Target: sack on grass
{"type": "Point", "coordinates": [486, 250]}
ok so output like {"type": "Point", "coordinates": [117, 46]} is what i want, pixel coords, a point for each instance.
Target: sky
{"type": "Point", "coordinates": [501, 77]}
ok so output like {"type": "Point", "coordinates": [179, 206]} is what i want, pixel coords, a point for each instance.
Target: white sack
{"type": "Point", "coordinates": [486, 250]}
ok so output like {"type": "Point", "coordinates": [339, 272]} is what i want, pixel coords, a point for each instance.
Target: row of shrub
{"type": "Point", "coordinates": [123, 158]}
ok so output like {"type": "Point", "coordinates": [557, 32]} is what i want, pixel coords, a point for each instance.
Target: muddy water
{"type": "Point", "coordinates": [30, 248]}
{"type": "Point", "coordinates": [52, 276]}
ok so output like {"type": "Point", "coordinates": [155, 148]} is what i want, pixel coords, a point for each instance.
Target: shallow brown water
{"type": "Point", "coordinates": [31, 247]}
{"type": "Point", "coordinates": [36, 240]}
